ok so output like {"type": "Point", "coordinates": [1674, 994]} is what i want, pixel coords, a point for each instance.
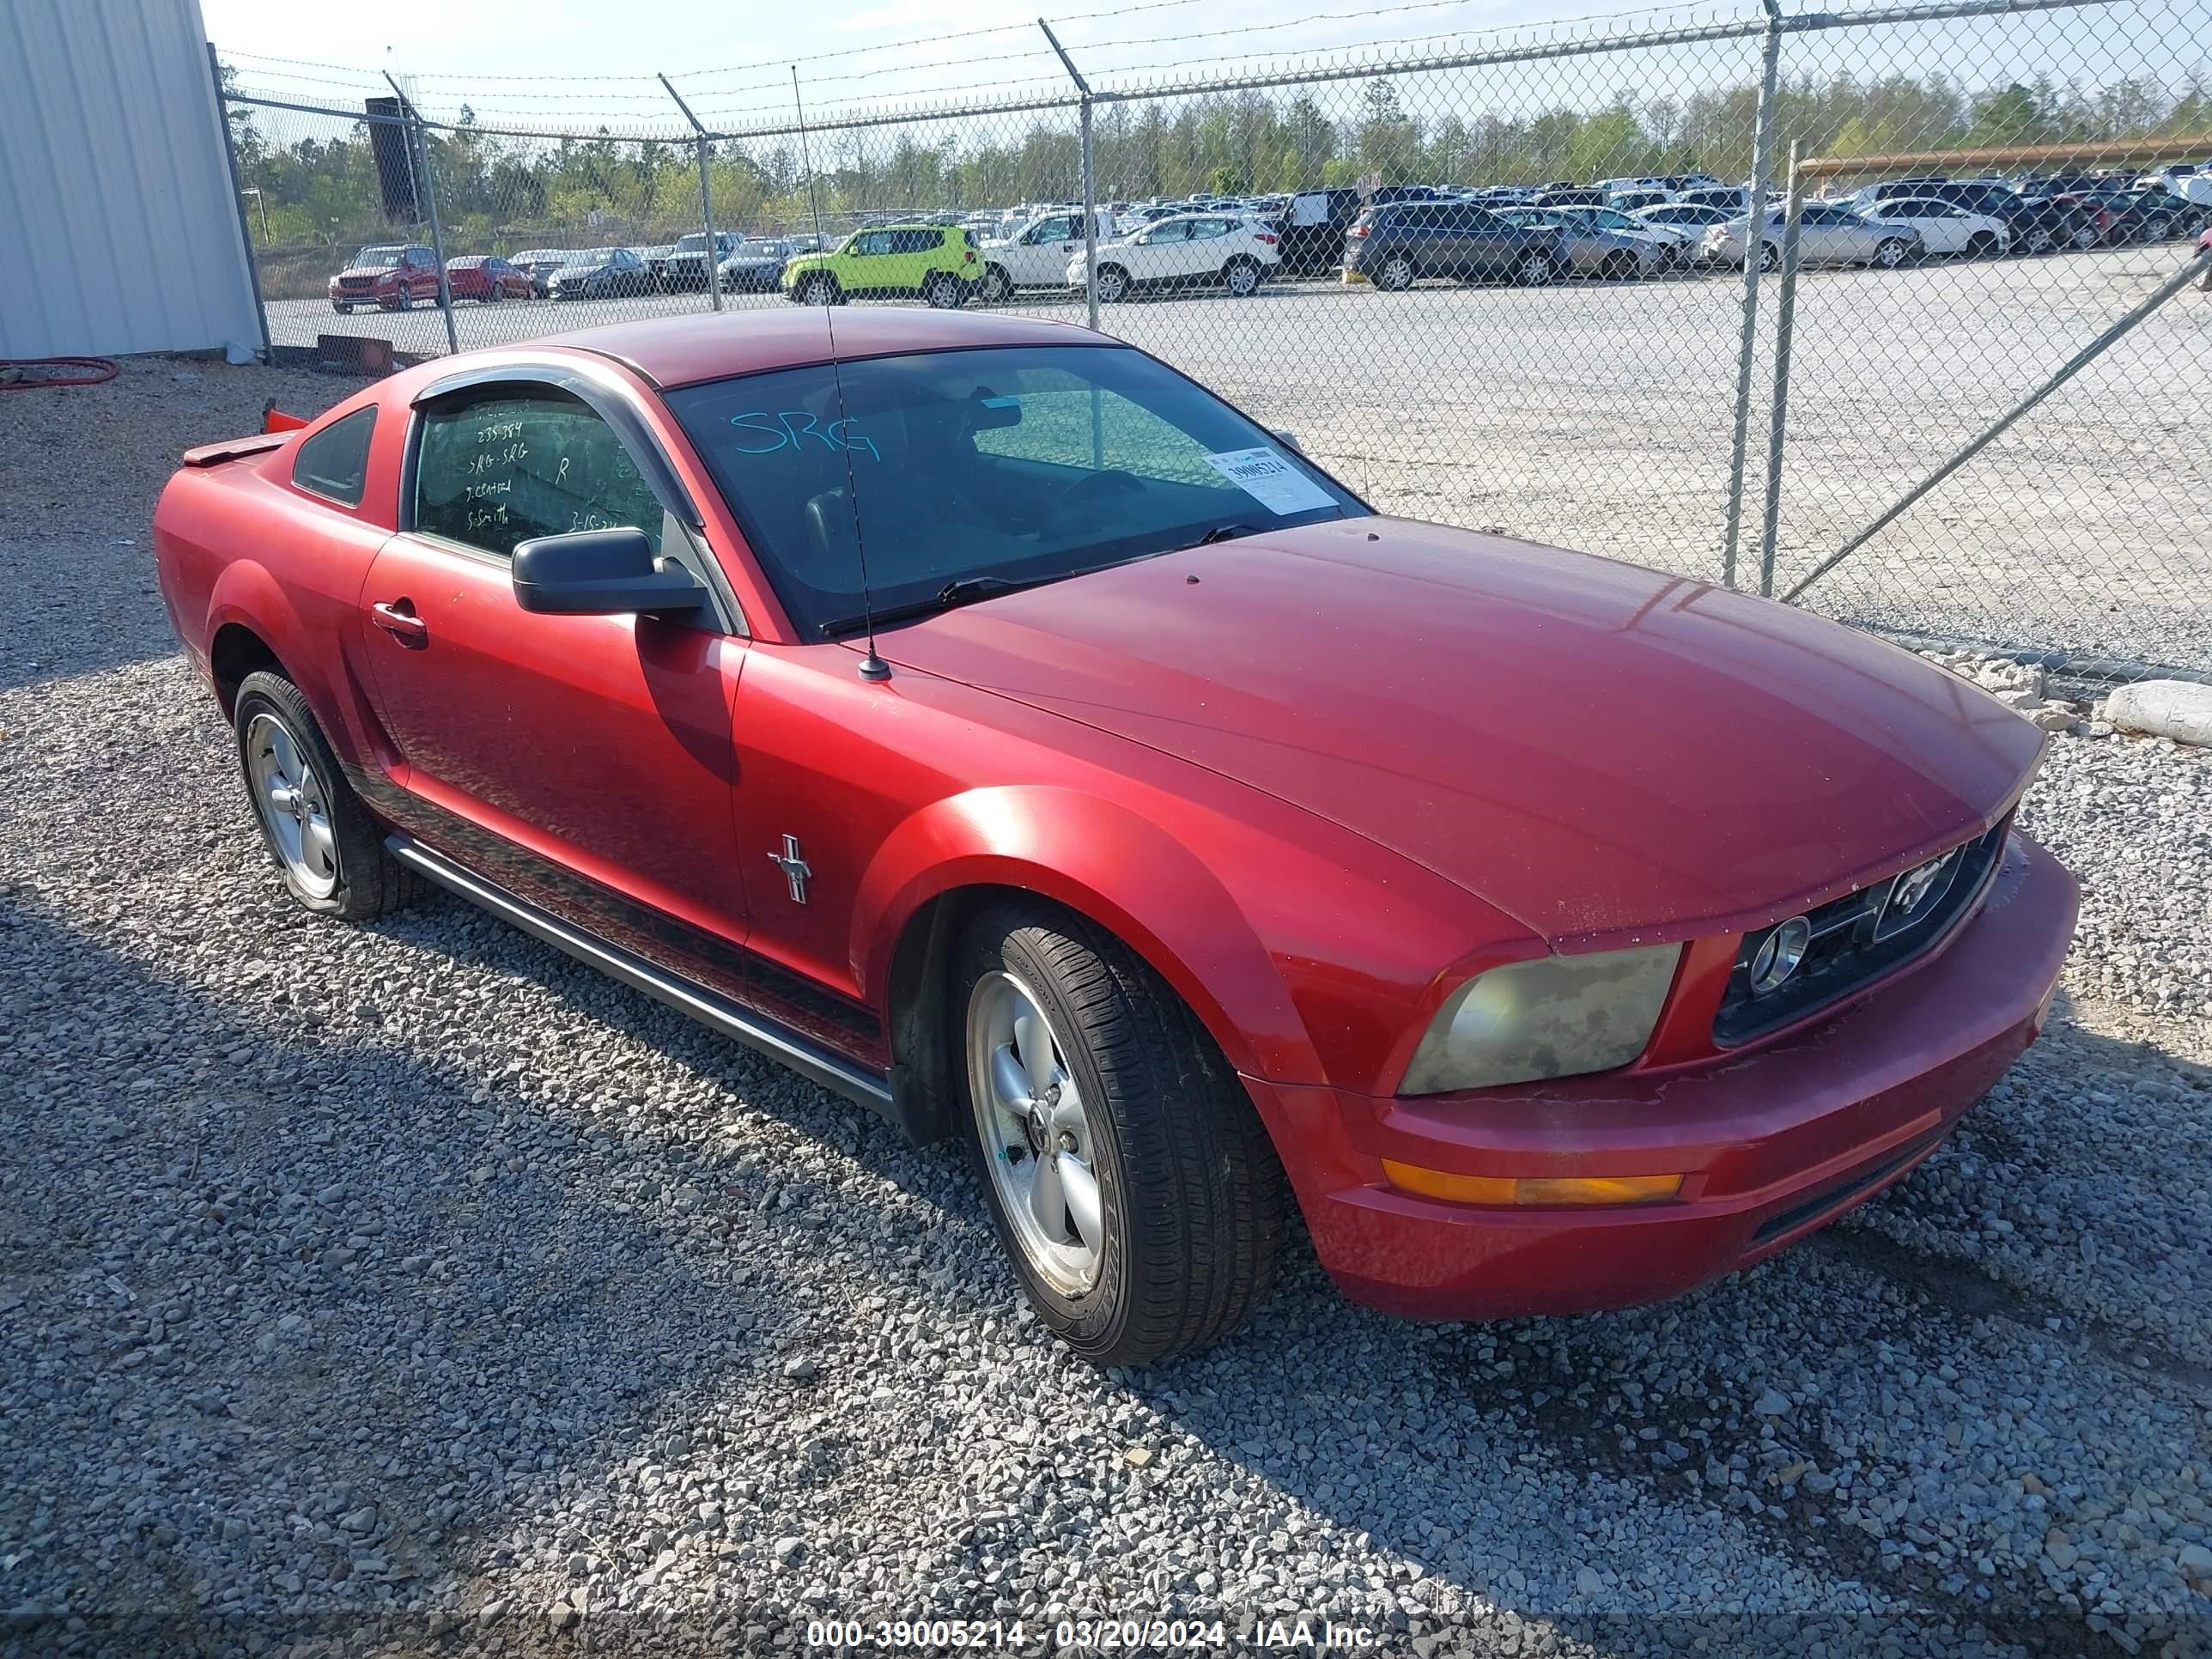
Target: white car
{"type": "Point", "coordinates": [2189, 180]}
{"type": "Point", "coordinates": [1688, 222]}
{"type": "Point", "coordinates": [1188, 251]}
{"type": "Point", "coordinates": [1036, 255]}
{"type": "Point", "coordinates": [1828, 233]}
{"type": "Point", "coordinates": [1945, 228]}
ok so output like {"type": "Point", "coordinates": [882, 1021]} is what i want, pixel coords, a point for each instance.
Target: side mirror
{"type": "Point", "coordinates": [601, 572]}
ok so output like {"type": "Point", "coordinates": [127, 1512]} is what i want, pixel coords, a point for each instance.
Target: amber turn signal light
{"type": "Point", "coordinates": [1526, 1191]}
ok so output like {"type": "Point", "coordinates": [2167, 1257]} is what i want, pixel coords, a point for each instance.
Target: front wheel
{"type": "Point", "coordinates": [1981, 245]}
{"type": "Point", "coordinates": [1769, 256]}
{"type": "Point", "coordinates": [1892, 252]}
{"type": "Point", "coordinates": [2039, 239]}
{"type": "Point", "coordinates": [817, 291]}
{"type": "Point", "coordinates": [328, 849]}
{"type": "Point", "coordinates": [1130, 1182]}
{"type": "Point", "coordinates": [1113, 285]}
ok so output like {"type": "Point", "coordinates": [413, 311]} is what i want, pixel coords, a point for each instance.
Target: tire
{"type": "Point", "coordinates": [2083, 237]}
{"type": "Point", "coordinates": [944, 292]}
{"type": "Point", "coordinates": [332, 856]}
{"type": "Point", "coordinates": [1618, 266]}
{"type": "Point", "coordinates": [1981, 245]}
{"type": "Point", "coordinates": [342, 308]}
{"type": "Point", "coordinates": [1770, 257]}
{"type": "Point", "coordinates": [1240, 276]}
{"type": "Point", "coordinates": [1893, 253]}
{"type": "Point", "coordinates": [996, 287]}
{"type": "Point", "coordinates": [816, 290]}
{"type": "Point", "coordinates": [1535, 269]}
{"type": "Point", "coordinates": [492, 296]}
{"type": "Point", "coordinates": [2038, 239]}
{"type": "Point", "coordinates": [1113, 285]}
{"type": "Point", "coordinates": [2157, 229]}
{"type": "Point", "coordinates": [1396, 274]}
{"type": "Point", "coordinates": [1188, 1205]}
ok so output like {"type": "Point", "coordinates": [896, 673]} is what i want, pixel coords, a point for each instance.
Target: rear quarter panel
{"type": "Point", "coordinates": [236, 544]}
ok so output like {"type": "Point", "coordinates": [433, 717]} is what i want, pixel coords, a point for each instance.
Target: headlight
{"type": "Point", "coordinates": [1554, 1016]}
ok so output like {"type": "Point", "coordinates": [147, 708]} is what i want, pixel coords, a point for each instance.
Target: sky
{"type": "Point", "coordinates": [733, 61]}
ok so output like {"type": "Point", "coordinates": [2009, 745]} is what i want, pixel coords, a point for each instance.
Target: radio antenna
{"type": "Point", "coordinates": [872, 667]}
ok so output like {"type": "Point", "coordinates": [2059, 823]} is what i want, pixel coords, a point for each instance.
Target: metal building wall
{"type": "Point", "coordinates": [118, 229]}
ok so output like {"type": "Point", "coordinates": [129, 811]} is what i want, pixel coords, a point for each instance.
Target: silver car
{"type": "Point", "coordinates": [1828, 233]}
{"type": "Point", "coordinates": [1588, 249]}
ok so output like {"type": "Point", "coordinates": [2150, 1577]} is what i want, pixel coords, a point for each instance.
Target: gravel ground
{"type": "Point", "coordinates": [1600, 416]}
{"type": "Point", "coordinates": [409, 1288]}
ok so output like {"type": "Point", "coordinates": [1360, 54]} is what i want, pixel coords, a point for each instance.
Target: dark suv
{"type": "Point", "coordinates": [1394, 246]}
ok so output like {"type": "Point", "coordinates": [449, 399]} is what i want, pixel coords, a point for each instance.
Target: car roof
{"type": "Point", "coordinates": [687, 349]}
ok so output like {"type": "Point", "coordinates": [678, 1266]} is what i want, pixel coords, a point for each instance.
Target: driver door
{"type": "Point", "coordinates": [1045, 247]}
{"type": "Point", "coordinates": [583, 762]}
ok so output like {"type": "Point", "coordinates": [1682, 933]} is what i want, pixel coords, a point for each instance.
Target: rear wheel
{"type": "Point", "coordinates": [944, 292]}
{"type": "Point", "coordinates": [1396, 274]}
{"type": "Point", "coordinates": [1240, 276]}
{"type": "Point", "coordinates": [2084, 236]}
{"type": "Point", "coordinates": [2157, 229]}
{"type": "Point", "coordinates": [1131, 1183]}
{"type": "Point", "coordinates": [330, 849]}
{"type": "Point", "coordinates": [2038, 239]}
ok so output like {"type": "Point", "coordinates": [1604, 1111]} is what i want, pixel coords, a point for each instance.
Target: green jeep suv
{"type": "Point", "coordinates": [936, 262]}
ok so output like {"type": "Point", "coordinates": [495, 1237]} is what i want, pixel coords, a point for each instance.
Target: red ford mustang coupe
{"type": "Point", "coordinates": [997, 728]}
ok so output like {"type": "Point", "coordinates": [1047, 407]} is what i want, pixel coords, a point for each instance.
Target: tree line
{"type": "Point", "coordinates": [319, 192]}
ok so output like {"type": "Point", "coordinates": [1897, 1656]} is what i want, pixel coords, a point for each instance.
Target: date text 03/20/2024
{"type": "Point", "coordinates": [1277, 1635]}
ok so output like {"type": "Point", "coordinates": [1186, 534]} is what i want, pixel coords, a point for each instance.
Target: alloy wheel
{"type": "Point", "coordinates": [294, 805]}
{"type": "Point", "coordinates": [1035, 1133]}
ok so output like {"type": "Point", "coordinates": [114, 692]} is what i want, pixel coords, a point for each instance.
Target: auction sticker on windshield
{"type": "Point", "coordinates": [1270, 480]}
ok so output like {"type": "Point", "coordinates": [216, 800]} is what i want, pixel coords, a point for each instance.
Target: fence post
{"type": "Point", "coordinates": [417, 147]}
{"type": "Point", "coordinates": [706, 202]}
{"type": "Point", "coordinates": [1089, 184]}
{"type": "Point", "coordinates": [1762, 170]}
{"type": "Point", "coordinates": [238, 199]}
{"type": "Point", "coordinates": [1786, 314]}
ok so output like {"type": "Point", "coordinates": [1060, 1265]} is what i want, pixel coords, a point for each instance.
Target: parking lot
{"type": "Point", "coordinates": [1599, 415]}
{"type": "Point", "coordinates": [369, 1290]}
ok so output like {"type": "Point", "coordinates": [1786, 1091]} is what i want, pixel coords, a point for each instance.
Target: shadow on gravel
{"type": "Point", "coordinates": [83, 604]}
{"type": "Point", "coordinates": [351, 1369]}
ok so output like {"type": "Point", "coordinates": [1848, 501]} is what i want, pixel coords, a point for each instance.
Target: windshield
{"type": "Point", "coordinates": [1016, 463]}
{"type": "Point", "coordinates": [597, 256]}
{"type": "Point", "coordinates": [759, 249]}
{"type": "Point", "coordinates": [381, 258]}
{"type": "Point", "coordinates": [694, 243]}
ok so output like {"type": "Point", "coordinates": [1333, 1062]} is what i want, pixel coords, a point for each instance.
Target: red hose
{"type": "Point", "coordinates": [26, 374]}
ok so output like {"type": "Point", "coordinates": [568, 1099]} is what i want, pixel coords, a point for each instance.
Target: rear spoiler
{"type": "Point", "coordinates": [235, 449]}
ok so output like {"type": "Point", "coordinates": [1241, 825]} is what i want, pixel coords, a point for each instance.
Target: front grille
{"type": "Point", "coordinates": [1857, 939]}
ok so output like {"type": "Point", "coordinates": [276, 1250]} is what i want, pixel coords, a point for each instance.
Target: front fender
{"type": "Point", "coordinates": [1111, 864]}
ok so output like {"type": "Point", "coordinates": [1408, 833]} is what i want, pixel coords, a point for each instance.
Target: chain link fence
{"type": "Point", "coordinates": [1718, 295]}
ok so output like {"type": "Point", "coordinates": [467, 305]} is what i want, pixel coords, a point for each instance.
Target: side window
{"type": "Point", "coordinates": [1171, 230]}
{"type": "Point", "coordinates": [1205, 230]}
{"type": "Point", "coordinates": [334, 463]}
{"type": "Point", "coordinates": [500, 470]}
{"type": "Point", "coordinates": [916, 241]}
{"type": "Point", "coordinates": [873, 241]}
{"type": "Point", "coordinates": [1053, 230]}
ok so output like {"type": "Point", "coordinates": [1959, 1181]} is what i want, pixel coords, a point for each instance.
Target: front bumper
{"type": "Point", "coordinates": [1776, 1141]}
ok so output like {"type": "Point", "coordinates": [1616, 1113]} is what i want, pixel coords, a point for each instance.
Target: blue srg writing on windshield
{"type": "Point", "coordinates": [773, 432]}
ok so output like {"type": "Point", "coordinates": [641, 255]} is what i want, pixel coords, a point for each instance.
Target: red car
{"type": "Point", "coordinates": [1004, 732]}
{"type": "Point", "coordinates": [486, 279]}
{"type": "Point", "coordinates": [389, 278]}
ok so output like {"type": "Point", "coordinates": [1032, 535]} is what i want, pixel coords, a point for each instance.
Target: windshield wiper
{"type": "Point", "coordinates": [966, 590]}
{"type": "Point", "coordinates": [1223, 533]}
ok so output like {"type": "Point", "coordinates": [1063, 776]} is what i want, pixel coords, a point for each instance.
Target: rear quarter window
{"type": "Point", "coordinates": [333, 463]}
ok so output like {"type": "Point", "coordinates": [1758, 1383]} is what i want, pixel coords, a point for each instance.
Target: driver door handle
{"type": "Point", "coordinates": [397, 618]}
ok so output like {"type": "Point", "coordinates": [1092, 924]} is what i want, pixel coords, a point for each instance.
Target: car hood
{"type": "Point", "coordinates": [1601, 751]}
{"type": "Point", "coordinates": [369, 270]}
{"type": "Point", "coordinates": [561, 272]}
